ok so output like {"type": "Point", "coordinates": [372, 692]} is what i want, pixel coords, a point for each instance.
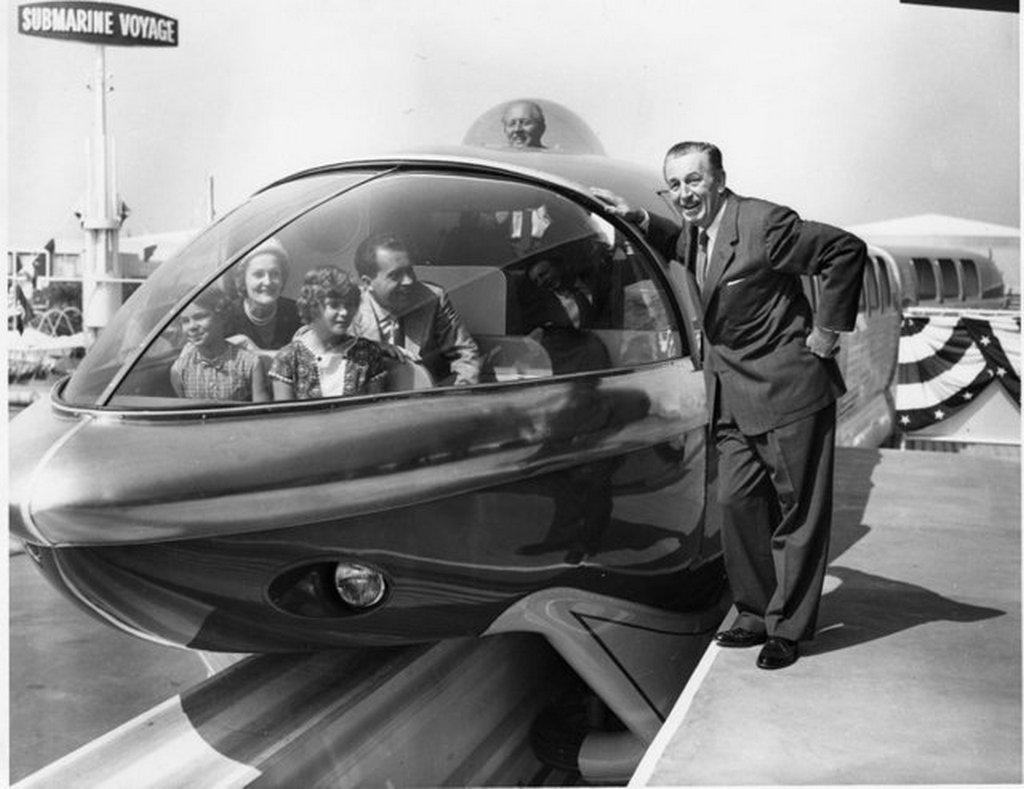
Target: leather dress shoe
{"type": "Point", "coordinates": [778, 653]}
{"type": "Point", "coordinates": [739, 637]}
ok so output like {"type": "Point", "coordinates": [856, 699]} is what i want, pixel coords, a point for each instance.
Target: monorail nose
{"type": "Point", "coordinates": [33, 434]}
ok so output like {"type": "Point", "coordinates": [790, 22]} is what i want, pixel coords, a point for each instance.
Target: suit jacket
{"type": "Point", "coordinates": [571, 348]}
{"type": "Point", "coordinates": [756, 317]}
{"type": "Point", "coordinates": [433, 331]}
{"type": "Point", "coordinates": [541, 307]}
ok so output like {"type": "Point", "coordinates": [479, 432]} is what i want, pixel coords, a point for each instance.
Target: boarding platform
{"type": "Point", "coordinates": [915, 674]}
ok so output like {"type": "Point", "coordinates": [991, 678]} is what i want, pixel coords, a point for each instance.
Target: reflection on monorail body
{"type": "Point", "coordinates": [442, 495]}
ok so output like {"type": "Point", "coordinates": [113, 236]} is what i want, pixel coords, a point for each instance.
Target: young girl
{"type": "Point", "coordinates": [209, 367]}
{"type": "Point", "coordinates": [323, 360]}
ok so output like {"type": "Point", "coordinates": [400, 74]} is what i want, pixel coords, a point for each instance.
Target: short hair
{"type": "Point", "coordinates": [271, 247]}
{"type": "Point", "coordinates": [690, 146]}
{"type": "Point", "coordinates": [213, 299]}
{"type": "Point", "coordinates": [322, 283]}
{"type": "Point", "coordinates": [366, 253]}
{"type": "Point", "coordinates": [556, 261]}
{"type": "Point", "coordinates": [534, 107]}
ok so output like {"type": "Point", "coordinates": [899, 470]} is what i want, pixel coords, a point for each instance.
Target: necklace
{"type": "Point", "coordinates": [263, 321]}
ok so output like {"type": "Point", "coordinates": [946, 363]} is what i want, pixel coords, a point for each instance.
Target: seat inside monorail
{"type": "Point", "coordinates": [490, 301]}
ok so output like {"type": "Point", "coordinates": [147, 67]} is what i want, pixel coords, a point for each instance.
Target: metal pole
{"type": "Point", "coordinates": [100, 298]}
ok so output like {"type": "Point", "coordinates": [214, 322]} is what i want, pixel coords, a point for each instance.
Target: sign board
{"type": "Point", "coordinates": [98, 23]}
{"type": "Point", "coordinates": [976, 5]}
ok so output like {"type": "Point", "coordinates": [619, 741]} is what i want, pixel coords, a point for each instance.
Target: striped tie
{"type": "Point", "coordinates": [391, 328]}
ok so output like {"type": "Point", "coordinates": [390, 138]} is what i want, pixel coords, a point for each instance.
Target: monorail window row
{"type": "Point", "coordinates": [947, 279]}
{"type": "Point", "coordinates": [899, 278]}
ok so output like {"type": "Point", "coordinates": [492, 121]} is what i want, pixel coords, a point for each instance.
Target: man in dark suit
{"type": "Point", "coordinates": [772, 383]}
{"type": "Point", "coordinates": [563, 299]}
{"type": "Point", "coordinates": [561, 307]}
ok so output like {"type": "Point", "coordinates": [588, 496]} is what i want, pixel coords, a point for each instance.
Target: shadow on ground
{"type": "Point", "coordinates": [865, 607]}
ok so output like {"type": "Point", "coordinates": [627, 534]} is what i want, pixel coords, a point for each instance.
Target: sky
{"type": "Point", "coordinates": [850, 112]}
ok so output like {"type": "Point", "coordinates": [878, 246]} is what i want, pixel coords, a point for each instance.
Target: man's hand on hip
{"type": "Point", "coordinates": [823, 342]}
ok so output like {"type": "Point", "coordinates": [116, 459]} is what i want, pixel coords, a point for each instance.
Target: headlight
{"type": "Point", "coordinates": [358, 585]}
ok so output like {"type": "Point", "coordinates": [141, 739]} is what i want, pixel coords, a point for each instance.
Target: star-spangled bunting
{"type": "Point", "coordinates": [946, 361]}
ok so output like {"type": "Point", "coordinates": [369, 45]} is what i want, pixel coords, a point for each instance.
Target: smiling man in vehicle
{"type": "Point", "coordinates": [414, 317]}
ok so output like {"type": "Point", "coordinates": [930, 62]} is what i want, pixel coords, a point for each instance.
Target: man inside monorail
{"type": "Point", "coordinates": [414, 317]}
{"type": "Point", "coordinates": [524, 125]}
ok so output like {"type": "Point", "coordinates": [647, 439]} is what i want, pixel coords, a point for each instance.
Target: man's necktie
{"type": "Point", "coordinates": [702, 258]}
{"type": "Point", "coordinates": [572, 306]}
{"type": "Point", "coordinates": [578, 307]}
{"type": "Point", "coordinates": [391, 328]}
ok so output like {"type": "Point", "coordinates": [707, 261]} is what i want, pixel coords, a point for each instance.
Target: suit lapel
{"type": "Point", "coordinates": [725, 247]}
{"type": "Point", "coordinates": [686, 248]}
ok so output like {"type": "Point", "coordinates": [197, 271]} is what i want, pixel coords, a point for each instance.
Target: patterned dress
{"type": "Point", "coordinates": [361, 368]}
{"type": "Point", "coordinates": [225, 377]}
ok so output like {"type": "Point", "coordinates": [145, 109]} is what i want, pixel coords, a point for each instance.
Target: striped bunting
{"type": "Point", "coordinates": [945, 361]}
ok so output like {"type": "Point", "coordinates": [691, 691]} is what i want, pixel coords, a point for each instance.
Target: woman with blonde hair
{"type": "Point", "coordinates": [260, 313]}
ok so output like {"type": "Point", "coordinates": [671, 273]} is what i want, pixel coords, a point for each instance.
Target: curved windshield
{"type": "Point", "coordinates": [411, 280]}
{"type": "Point", "coordinates": [152, 303]}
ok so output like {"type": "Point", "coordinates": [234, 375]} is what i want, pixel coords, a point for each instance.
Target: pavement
{"type": "Point", "coordinates": [914, 676]}
{"type": "Point", "coordinates": [73, 678]}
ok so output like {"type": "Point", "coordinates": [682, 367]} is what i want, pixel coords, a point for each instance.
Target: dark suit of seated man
{"type": "Point", "coordinates": [415, 319]}
{"type": "Point", "coordinates": [562, 307]}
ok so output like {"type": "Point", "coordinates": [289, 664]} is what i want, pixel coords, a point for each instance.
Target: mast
{"type": "Point", "coordinates": [101, 288]}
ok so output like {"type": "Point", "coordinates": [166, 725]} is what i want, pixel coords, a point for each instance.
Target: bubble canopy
{"type": "Point", "coordinates": [472, 226]}
{"type": "Point", "coordinates": [565, 131]}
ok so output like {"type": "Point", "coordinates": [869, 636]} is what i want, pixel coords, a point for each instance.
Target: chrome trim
{"type": "Point", "coordinates": [239, 410]}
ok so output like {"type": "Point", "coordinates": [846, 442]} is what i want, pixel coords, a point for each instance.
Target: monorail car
{"type": "Point", "coordinates": [233, 526]}
{"type": "Point", "coordinates": [551, 496]}
{"type": "Point", "coordinates": [223, 525]}
{"type": "Point", "coordinates": [868, 357]}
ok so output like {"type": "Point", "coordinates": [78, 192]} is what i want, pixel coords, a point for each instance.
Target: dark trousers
{"type": "Point", "coordinates": [775, 494]}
